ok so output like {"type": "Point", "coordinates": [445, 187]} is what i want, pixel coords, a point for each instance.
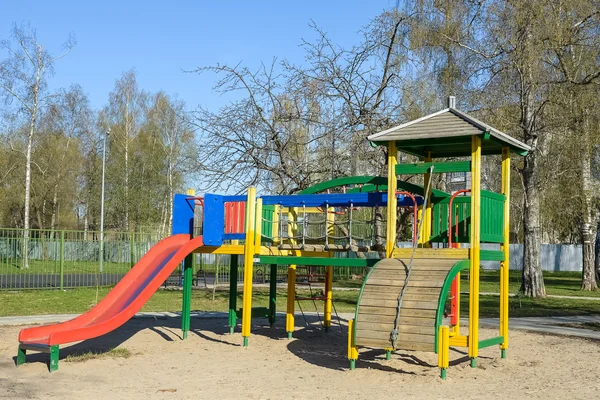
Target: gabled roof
{"type": "Point", "coordinates": [447, 133]}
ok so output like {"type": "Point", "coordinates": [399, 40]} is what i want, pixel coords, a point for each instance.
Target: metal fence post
{"type": "Point", "coordinates": [132, 245]}
{"type": "Point", "coordinates": [62, 259]}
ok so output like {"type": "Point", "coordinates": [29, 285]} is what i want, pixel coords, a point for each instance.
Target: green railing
{"type": "Point", "coordinates": [492, 218]}
{"type": "Point", "coordinates": [68, 258]}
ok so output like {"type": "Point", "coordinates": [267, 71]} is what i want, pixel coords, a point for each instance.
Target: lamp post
{"type": "Point", "coordinates": [101, 257]}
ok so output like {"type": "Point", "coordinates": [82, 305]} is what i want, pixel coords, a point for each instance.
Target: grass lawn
{"type": "Point", "coordinates": [34, 302]}
{"type": "Point", "coordinates": [15, 267]}
{"type": "Point", "coordinates": [557, 283]}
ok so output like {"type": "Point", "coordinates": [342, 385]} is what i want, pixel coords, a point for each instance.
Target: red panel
{"type": "Point", "coordinates": [234, 216]}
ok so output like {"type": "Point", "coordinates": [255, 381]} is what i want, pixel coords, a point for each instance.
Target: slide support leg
{"type": "Point", "coordinates": [233, 278]}
{"type": "Point", "coordinates": [21, 356]}
{"type": "Point", "coordinates": [53, 366]}
{"type": "Point", "coordinates": [272, 294]}
{"type": "Point", "coordinates": [187, 294]}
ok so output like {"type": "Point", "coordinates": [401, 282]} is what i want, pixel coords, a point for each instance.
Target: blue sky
{"type": "Point", "coordinates": [160, 38]}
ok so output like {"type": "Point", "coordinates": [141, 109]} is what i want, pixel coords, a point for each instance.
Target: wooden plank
{"type": "Point", "coordinates": [408, 295]}
{"type": "Point", "coordinates": [428, 322]}
{"type": "Point", "coordinates": [387, 274]}
{"type": "Point", "coordinates": [373, 343]}
{"type": "Point", "coordinates": [415, 346]}
{"type": "Point", "coordinates": [419, 338]}
{"type": "Point", "coordinates": [419, 305]}
{"type": "Point", "coordinates": [380, 319]}
{"type": "Point", "coordinates": [378, 302]}
{"type": "Point", "coordinates": [416, 313]}
{"type": "Point", "coordinates": [381, 295]}
{"type": "Point", "coordinates": [408, 329]}
{"type": "Point", "coordinates": [381, 288]}
{"type": "Point", "coordinates": [454, 254]}
{"type": "Point", "coordinates": [377, 310]}
{"type": "Point", "coordinates": [429, 284]}
{"type": "Point", "coordinates": [386, 282]}
{"type": "Point", "coordinates": [376, 326]}
{"type": "Point", "coordinates": [369, 334]}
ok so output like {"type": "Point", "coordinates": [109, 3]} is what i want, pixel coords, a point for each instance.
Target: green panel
{"type": "Point", "coordinates": [439, 232]}
{"type": "Point", "coordinates": [459, 266]}
{"type": "Point", "coordinates": [323, 261]}
{"type": "Point", "coordinates": [491, 255]}
{"type": "Point", "coordinates": [267, 223]}
{"type": "Point", "coordinates": [438, 167]}
{"type": "Point", "coordinates": [491, 342]}
{"type": "Point", "coordinates": [492, 217]}
{"type": "Point", "coordinates": [493, 195]}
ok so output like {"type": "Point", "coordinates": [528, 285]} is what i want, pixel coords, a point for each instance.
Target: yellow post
{"type": "Point", "coordinates": [443, 350]}
{"type": "Point", "coordinates": [275, 228]}
{"type": "Point", "coordinates": [426, 230]}
{"type": "Point", "coordinates": [291, 299]}
{"type": "Point", "coordinates": [248, 264]}
{"type": "Point", "coordinates": [352, 348]}
{"type": "Point", "coordinates": [328, 297]}
{"type": "Point", "coordinates": [392, 203]}
{"type": "Point", "coordinates": [291, 289]}
{"type": "Point", "coordinates": [474, 249]}
{"type": "Point", "coordinates": [504, 265]}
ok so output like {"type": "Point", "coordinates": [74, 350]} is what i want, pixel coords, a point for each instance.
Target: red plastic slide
{"type": "Point", "coordinates": [126, 298]}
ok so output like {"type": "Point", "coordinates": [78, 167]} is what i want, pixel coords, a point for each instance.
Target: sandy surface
{"type": "Point", "coordinates": [211, 364]}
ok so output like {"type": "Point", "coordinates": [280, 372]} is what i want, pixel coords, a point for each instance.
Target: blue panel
{"type": "Point", "coordinates": [214, 220]}
{"type": "Point", "coordinates": [234, 198]}
{"type": "Point", "coordinates": [234, 236]}
{"type": "Point", "coordinates": [336, 200]}
{"type": "Point", "coordinates": [183, 215]}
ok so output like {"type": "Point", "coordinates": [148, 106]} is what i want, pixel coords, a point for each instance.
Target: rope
{"type": "Point", "coordinates": [394, 333]}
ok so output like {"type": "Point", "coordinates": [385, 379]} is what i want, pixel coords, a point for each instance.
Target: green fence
{"type": "Point", "coordinates": [59, 259]}
{"type": "Point", "coordinates": [67, 258]}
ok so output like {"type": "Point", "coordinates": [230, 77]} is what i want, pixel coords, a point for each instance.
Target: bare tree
{"type": "Point", "coordinates": [23, 80]}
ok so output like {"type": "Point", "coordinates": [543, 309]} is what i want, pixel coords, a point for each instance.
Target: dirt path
{"type": "Point", "coordinates": [210, 364]}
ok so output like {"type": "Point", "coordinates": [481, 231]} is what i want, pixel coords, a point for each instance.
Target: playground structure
{"type": "Point", "coordinates": [410, 298]}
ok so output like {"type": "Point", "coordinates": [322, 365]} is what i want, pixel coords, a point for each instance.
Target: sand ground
{"type": "Point", "coordinates": [211, 364]}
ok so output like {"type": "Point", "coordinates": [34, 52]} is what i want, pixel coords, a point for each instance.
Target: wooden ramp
{"type": "Point", "coordinates": [378, 303]}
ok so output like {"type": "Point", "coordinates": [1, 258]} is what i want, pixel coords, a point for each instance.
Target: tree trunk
{"type": "Point", "coordinates": [532, 283]}
{"type": "Point", "coordinates": [54, 207]}
{"type": "Point", "coordinates": [597, 250]}
{"type": "Point", "coordinates": [27, 193]}
{"type": "Point", "coordinates": [588, 278]}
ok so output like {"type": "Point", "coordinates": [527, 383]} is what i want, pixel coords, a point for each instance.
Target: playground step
{"type": "Point", "coordinates": [378, 303]}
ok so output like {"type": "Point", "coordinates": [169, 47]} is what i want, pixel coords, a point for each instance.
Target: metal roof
{"type": "Point", "coordinates": [447, 133]}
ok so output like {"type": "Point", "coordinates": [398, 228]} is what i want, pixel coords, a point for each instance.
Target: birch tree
{"type": "Point", "coordinates": [23, 82]}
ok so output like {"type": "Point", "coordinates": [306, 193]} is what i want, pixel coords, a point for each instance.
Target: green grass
{"type": "Point", "coordinates": [36, 302]}
{"type": "Point", "coordinates": [117, 352]}
{"type": "Point", "coordinates": [15, 267]}
{"type": "Point", "coordinates": [557, 283]}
